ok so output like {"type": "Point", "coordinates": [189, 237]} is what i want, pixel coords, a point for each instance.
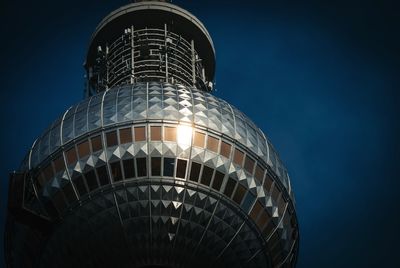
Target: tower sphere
{"type": "Point", "coordinates": [151, 169]}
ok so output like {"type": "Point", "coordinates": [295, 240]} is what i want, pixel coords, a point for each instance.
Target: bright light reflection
{"type": "Point", "coordinates": [184, 134]}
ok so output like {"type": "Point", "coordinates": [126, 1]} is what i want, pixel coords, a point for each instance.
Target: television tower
{"type": "Point", "coordinates": [151, 169]}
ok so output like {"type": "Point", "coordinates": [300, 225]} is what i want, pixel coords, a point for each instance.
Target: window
{"type": "Point", "coordinates": [48, 172]}
{"type": "Point", "coordinates": [249, 164]}
{"type": "Point", "coordinates": [59, 164]}
{"type": "Point", "coordinates": [83, 149]}
{"type": "Point", "coordinates": [199, 139]}
{"type": "Point", "coordinates": [71, 156]}
{"type": "Point", "coordinates": [248, 201]}
{"type": "Point", "coordinates": [40, 179]}
{"type": "Point", "coordinates": [256, 210]}
{"type": "Point", "coordinates": [225, 149]}
{"type": "Point", "coordinates": [274, 238]}
{"type": "Point", "coordinates": [155, 133]}
{"type": "Point", "coordinates": [239, 194]}
{"type": "Point", "coordinates": [125, 135]}
{"type": "Point", "coordinates": [230, 186]}
{"type": "Point", "coordinates": [195, 172]}
{"type": "Point", "coordinates": [141, 167]}
{"type": "Point", "coordinates": [281, 203]}
{"type": "Point", "coordinates": [111, 138]}
{"type": "Point", "coordinates": [259, 175]}
{"type": "Point", "coordinates": [103, 176]}
{"type": "Point", "coordinates": [80, 185]}
{"type": "Point", "coordinates": [268, 228]}
{"type": "Point", "coordinates": [116, 171]}
{"type": "Point", "coordinates": [91, 180]}
{"type": "Point", "coordinates": [169, 166]}
{"type": "Point", "coordinates": [212, 144]}
{"type": "Point", "coordinates": [170, 133]}
{"type": "Point", "coordinates": [140, 133]}
{"type": "Point", "coordinates": [69, 193]}
{"type": "Point", "coordinates": [218, 178]}
{"type": "Point", "coordinates": [184, 135]}
{"type": "Point", "coordinates": [238, 157]}
{"type": "Point", "coordinates": [59, 201]}
{"type": "Point", "coordinates": [156, 166]}
{"type": "Point", "coordinates": [181, 168]}
{"type": "Point", "coordinates": [263, 219]}
{"type": "Point", "coordinates": [96, 143]}
{"type": "Point", "coordinates": [275, 193]}
{"type": "Point", "coordinates": [129, 168]}
{"type": "Point", "coordinates": [267, 182]}
{"type": "Point", "coordinates": [206, 176]}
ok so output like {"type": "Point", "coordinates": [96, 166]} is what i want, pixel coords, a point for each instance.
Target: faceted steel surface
{"type": "Point", "coordinates": [155, 101]}
{"type": "Point", "coordinates": [223, 196]}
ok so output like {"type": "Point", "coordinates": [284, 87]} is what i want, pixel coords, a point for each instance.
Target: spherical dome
{"type": "Point", "coordinates": [173, 165]}
{"type": "Point", "coordinates": [151, 102]}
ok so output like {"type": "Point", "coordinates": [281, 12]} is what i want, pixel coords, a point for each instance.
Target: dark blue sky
{"type": "Point", "coordinates": [321, 79]}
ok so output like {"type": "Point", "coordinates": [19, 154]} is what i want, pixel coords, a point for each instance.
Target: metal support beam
{"type": "Point", "coordinates": [166, 52]}
{"type": "Point", "coordinates": [193, 63]}
{"type": "Point", "coordinates": [107, 68]}
{"type": "Point", "coordinates": [132, 55]}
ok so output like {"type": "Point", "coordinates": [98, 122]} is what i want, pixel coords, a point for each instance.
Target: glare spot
{"type": "Point", "coordinates": [184, 135]}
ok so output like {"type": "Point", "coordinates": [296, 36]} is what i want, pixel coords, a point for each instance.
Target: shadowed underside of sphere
{"type": "Point", "coordinates": [139, 224]}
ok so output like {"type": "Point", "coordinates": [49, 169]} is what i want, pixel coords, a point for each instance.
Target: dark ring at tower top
{"type": "Point", "coordinates": [169, 1]}
{"type": "Point", "coordinates": [138, 14]}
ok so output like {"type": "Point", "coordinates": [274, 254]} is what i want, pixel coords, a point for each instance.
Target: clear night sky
{"type": "Point", "coordinates": [321, 80]}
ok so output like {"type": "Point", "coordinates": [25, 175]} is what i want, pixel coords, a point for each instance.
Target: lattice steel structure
{"type": "Point", "coordinates": [151, 169]}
